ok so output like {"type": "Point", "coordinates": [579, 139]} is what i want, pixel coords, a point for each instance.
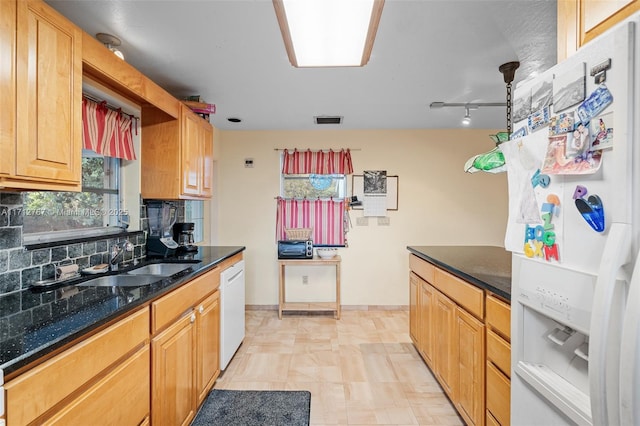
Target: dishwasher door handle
{"type": "Point", "coordinates": [234, 276]}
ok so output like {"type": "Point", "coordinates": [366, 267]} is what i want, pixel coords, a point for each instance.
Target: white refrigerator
{"type": "Point", "coordinates": [573, 167]}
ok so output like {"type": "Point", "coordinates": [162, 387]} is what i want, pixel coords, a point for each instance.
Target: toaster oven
{"type": "Point", "coordinates": [295, 249]}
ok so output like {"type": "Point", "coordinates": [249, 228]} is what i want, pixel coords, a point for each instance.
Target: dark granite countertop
{"type": "Point", "coordinates": [36, 321]}
{"type": "Point", "coordinates": [487, 267]}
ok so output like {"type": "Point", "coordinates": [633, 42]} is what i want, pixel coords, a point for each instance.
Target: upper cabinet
{"type": "Point", "coordinates": [176, 155]}
{"type": "Point", "coordinates": [580, 21]}
{"type": "Point", "coordinates": [41, 98]}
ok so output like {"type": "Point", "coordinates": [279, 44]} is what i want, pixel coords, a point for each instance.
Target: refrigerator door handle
{"type": "Point", "coordinates": [630, 353]}
{"type": "Point", "coordinates": [614, 256]}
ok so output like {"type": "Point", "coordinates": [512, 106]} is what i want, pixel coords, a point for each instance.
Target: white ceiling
{"type": "Point", "coordinates": [231, 53]}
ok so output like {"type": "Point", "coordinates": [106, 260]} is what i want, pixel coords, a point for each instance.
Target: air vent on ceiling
{"type": "Point", "coordinates": [328, 119]}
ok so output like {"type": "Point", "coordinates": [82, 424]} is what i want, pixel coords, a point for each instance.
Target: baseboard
{"type": "Point", "coordinates": [375, 307]}
{"type": "Point", "coordinates": [344, 307]}
{"type": "Point", "coordinates": [261, 307]}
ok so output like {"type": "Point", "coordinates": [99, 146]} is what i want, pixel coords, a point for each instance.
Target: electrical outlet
{"type": "Point", "coordinates": [384, 221]}
{"type": "Point", "coordinates": [362, 221]}
{"type": "Point", "coordinates": [305, 279]}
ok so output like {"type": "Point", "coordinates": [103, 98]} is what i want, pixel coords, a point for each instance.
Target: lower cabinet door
{"type": "Point", "coordinates": [208, 356]}
{"type": "Point", "coordinates": [446, 352]}
{"type": "Point", "coordinates": [173, 357]}
{"type": "Point", "coordinates": [471, 359]}
{"type": "Point", "coordinates": [120, 398]}
{"type": "Point", "coordinates": [414, 285]}
{"type": "Point", "coordinates": [427, 298]}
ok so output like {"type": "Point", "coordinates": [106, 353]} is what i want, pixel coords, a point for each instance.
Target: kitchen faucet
{"type": "Point", "coordinates": [117, 253]}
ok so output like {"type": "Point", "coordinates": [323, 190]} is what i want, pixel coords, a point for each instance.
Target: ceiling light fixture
{"type": "Point", "coordinates": [328, 33]}
{"type": "Point", "coordinates": [111, 42]}
{"type": "Point", "coordinates": [467, 118]}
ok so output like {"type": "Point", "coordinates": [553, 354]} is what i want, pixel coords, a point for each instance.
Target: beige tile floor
{"type": "Point", "coordinates": [360, 370]}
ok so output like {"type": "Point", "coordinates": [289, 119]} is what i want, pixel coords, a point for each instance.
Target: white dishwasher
{"type": "Point", "coordinates": [231, 311]}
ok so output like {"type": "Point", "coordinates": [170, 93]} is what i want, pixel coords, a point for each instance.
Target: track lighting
{"type": "Point", "coordinates": [467, 118]}
{"type": "Point", "coordinates": [111, 42]}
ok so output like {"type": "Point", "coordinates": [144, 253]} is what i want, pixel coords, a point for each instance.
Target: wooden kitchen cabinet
{"type": "Point", "coordinates": [197, 142]}
{"type": "Point", "coordinates": [427, 322]}
{"type": "Point", "coordinates": [451, 337]}
{"type": "Point", "coordinates": [104, 400]}
{"type": "Point", "coordinates": [446, 356]}
{"type": "Point", "coordinates": [154, 366]}
{"type": "Point", "coordinates": [580, 21]}
{"type": "Point", "coordinates": [173, 373]}
{"type": "Point", "coordinates": [101, 362]}
{"type": "Point", "coordinates": [471, 358]}
{"type": "Point", "coordinates": [41, 85]}
{"type": "Point", "coordinates": [177, 155]}
{"type": "Point", "coordinates": [185, 349]}
{"type": "Point", "coordinates": [8, 16]}
{"type": "Point", "coordinates": [498, 360]}
{"type": "Point", "coordinates": [207, 345]}
{"type": "Point", "coordinates": [414, 312]}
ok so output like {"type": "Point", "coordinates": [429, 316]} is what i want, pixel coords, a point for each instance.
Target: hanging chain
{"type": "Point", "coordinates": [508, 71]}
{"type": "Point", "coordinates": [509, 109]}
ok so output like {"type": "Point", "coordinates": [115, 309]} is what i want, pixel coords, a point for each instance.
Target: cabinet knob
{"type": "Point", "coordinates": [201, 309]}
{"type": "Point", "coordinates": [193, 317]}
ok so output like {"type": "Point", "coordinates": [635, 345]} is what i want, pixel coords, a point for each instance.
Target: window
{"type": "Point", "coordinates": [313, 186]}
{"type": "Point", "coordinates": [194, 212]}
{"type": "Point", "coordinates": [50, 216]}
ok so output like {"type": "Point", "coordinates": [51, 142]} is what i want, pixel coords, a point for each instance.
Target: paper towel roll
{"type": "Point", "coordinates": [66, 271]}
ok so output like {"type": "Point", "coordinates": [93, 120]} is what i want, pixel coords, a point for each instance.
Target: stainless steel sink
{"type": "Point", "coordinates": [161, 269]}
{"type": "Point", "coordinates": [121, 281]}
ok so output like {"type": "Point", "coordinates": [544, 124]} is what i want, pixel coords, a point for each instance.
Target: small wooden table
{"type": "Point", "coordinates": [283, 305]}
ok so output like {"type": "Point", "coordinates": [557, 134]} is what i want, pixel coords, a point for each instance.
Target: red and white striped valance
{"type": "Point", "coordinates": [317, 162]}
{"type": "Point", "coordinates": [325, 217]}
{"type": "Point", "coordinates": [105, 131]}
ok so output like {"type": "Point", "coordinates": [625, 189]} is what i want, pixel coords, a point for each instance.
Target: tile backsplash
{"type": "Point", "coordinates": [19, 268]}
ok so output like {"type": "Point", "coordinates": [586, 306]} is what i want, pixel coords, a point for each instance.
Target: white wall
{"type": "Point", "coordinates": [438, 204]}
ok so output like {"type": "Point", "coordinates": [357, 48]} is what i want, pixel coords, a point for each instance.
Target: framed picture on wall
{"type": "Point", "coordinates": [358, 189]}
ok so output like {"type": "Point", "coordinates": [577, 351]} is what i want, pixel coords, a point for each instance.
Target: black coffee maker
{"type": "Point", "coordinates": [183, 235]}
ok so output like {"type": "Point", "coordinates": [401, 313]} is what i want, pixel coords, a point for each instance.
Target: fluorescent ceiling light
{"type": "Point", "coordinates": [328, 33]}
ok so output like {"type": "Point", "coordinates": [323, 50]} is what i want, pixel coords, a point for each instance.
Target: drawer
{"type": "Point", "coordinates": [168, 308]}
{"type": "Point", "coordinates": [499, 352]}
{"type": "Point", "coordinates": [39, 389]}
{"type": "Point", "coordinates": [126, 388]}
{"type": "Point", "coordinates": [499, 316]}
{"type": "Point", "coordinates": [498, 395]}
{"type": "Point", "coordinates": [422, 268]}
{"type": "Point", "coordinates": [464, 294]}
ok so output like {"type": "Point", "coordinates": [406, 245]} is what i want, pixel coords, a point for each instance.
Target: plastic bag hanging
{"type": "Point", "coordinates": [492, 162]}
